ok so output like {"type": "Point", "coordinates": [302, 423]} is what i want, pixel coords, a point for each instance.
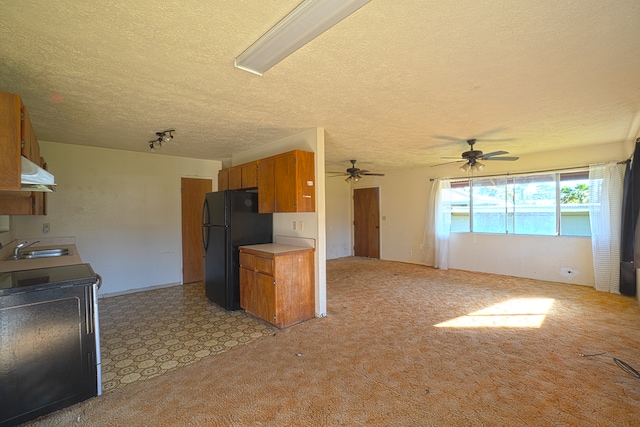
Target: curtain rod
{"type": "Point", "coordinates": [573, 169]}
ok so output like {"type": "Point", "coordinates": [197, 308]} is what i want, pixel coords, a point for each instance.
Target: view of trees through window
{"type": "Point", "coordinates": [542, 204]}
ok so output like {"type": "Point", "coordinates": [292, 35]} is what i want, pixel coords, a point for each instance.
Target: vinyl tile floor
{"type": "Point", "coordinates": [148, 333]}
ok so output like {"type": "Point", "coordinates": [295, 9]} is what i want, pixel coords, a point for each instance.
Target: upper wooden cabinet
{"type": "Point", "coordinates": [223, 179]}
{"type": "Point", "coordinates": [286, 183]}
{"type": "Point", "coordinates": [17, 138]}
{"type": "Point", "coordinates": [295, 178]}
{"type": "Point", "coordinates": [10, 141]}
{"type": "Point", "coordinates": [30, 146]}
{"type": "Point", "coordinates": [235, 178]}
{"type": "Point", "coordinates": [267, 185]}
{"type": "Point", "coordinates": [249, 173]}
{"type": "Point", "coordinates": [238, 177]}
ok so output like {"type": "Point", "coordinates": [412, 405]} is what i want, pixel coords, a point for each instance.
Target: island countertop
{"type": "Point", "coordinates": [275, 248]}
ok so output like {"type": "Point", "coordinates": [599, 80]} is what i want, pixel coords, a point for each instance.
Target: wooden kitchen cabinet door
{"type": "Point", "coordinates": [10, 137]}
{"type": "Point", "coordinates": [294, 178]}
{"type": "Point", "coordinates": [31, 148]}
{"type": "Point", "coordinates": [265, 306]}
{"type": "Point", "coordinates": [223, 179]}
{"type": "Point", "coordinates": [266, 185]}
{"type": "Point", "coordinates": [249, 172]}
{"type": "Point", "coordinates": [235, 178]}
{"type": "Point", "coordinates": [248, 292]}
{"type": "Point", "coordinates": [247, 282]}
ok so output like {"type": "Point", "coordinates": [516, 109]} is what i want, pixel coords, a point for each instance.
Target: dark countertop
{"type": "Point", "coordinates": [46, 278]}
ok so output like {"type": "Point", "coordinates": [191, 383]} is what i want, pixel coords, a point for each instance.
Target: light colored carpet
{"type": "Point", "coordinates": [379, 359]}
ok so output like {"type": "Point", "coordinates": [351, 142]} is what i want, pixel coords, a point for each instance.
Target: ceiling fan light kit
{"type": "Point", "coordinates": [303, 24]}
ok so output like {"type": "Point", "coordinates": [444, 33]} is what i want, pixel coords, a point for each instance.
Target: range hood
{"type": "Point", "coordinates": [34, 178]}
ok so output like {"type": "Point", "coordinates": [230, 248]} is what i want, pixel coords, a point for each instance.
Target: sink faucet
{"type": "Point", "coordinates": [16, 251]}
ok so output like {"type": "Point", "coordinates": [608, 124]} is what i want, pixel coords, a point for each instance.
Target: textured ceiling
{"type": "Point", "coordinates": [393, 84]}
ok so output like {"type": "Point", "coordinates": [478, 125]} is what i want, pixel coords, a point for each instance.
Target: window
{"type": "Point", "coordinates": [574, 204]}
{"type": "Point", "coordinates": [542, 204]}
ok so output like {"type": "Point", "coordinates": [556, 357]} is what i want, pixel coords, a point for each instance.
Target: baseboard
{"type": "Point", "coordinates": [135, 291]}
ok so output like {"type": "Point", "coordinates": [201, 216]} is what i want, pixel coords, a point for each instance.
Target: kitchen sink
{"type": "Point", "coordinates": [40, 253]}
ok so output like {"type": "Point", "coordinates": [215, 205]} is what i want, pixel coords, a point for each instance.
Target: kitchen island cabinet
{"type": "Point", "coordinates": [277, 283]}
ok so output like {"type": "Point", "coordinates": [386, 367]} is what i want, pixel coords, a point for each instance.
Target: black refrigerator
{"type": "Point", "coordinates": [230, 219]}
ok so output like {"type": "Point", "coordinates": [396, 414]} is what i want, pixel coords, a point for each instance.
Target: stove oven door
{"type": "Point", "coordinates": [47, 352]}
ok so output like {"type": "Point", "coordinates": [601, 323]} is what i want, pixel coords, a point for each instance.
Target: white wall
{"type": "Point", "coordinates": [314, 222]}
{"type": "Point", "coordinates": [123, 208]}
{"type": "Point", "coordinates": [403, 199]}
{"type": "Point", "coordinates": [6, 229]}
{"type": "Point", "coordinates": [338, 212]}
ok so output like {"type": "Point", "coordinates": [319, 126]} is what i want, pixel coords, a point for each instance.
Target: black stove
{"type": "Point", "coordinates": [50, 340]}
{"type": "Point", "coordinates": [47, 278]}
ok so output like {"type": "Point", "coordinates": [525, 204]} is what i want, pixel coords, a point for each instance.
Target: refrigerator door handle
{"type": "Point", "coordinates": [205, 209]}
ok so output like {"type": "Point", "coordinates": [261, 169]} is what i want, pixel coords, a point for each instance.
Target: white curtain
{"type": "Point", "coordinates": [438, 225]}
{"type": "Point", "coordinates": [605, 214]}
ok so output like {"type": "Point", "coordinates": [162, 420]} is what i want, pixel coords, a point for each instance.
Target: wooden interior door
{"type": "Point", "coordinates": [366, 222]}
{"type": "Point", "coordinates": [193, 191]}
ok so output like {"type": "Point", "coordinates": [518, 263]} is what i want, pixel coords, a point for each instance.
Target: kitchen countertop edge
{"type": "Point", "coordinates": [275, 248]}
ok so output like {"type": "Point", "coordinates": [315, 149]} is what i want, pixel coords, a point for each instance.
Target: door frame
{"type": "Point", "coordinates": [353, 216]}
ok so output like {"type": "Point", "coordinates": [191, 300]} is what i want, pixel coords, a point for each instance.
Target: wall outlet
{"type": "Point", "coordinates": [301, 225]}
{"type": "Point", "coordinates": [45, 228]}
{"type": "Point", "coordinates": [294, 225]}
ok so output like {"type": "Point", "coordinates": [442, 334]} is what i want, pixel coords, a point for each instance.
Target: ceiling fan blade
{"type": "Point", "coordinates": [485, 134]}
{"type": "Point", "coordinates": [333, 176]}
{"type": "Point", "coordinates": [341, 173]}
{"type": "Point", "coordinates": [448, 138]}
{"type": "Point", "coordinates": [495, 139]}
{"type": "Point", "coordinates": [448, 163]}
{"type": "Point", "coordinates": [452, 157]}
{"type": "Point", "coordinates": [511, 159]}
{"type": "Point", "coordinates": [372, 174]}
{"type": "Point", "coordinates": [493, 153]}
{"type": "Point", "coordinates": [361, 171]}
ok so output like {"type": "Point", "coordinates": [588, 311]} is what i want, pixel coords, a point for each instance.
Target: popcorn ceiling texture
{"type": "Point", "coordinates": [383, 83]}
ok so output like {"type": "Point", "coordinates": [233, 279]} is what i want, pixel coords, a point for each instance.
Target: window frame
{"type": "Point", "coordinates": [510, 180]}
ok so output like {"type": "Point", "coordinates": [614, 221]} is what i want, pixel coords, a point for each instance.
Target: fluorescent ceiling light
{"type": "Point", "coordinates": [304, 23]}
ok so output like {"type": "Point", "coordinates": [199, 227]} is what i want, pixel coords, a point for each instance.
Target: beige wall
{"type": "Point", "coordinates": [403, 205]}
{"type": "Point", "coordinates": [338, 212]}
{"type": "Point", "coordinates": [123, 209]}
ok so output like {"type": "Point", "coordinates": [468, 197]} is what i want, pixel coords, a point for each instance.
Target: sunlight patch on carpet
{"type": "Point", "coordinates": [513, 313]}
